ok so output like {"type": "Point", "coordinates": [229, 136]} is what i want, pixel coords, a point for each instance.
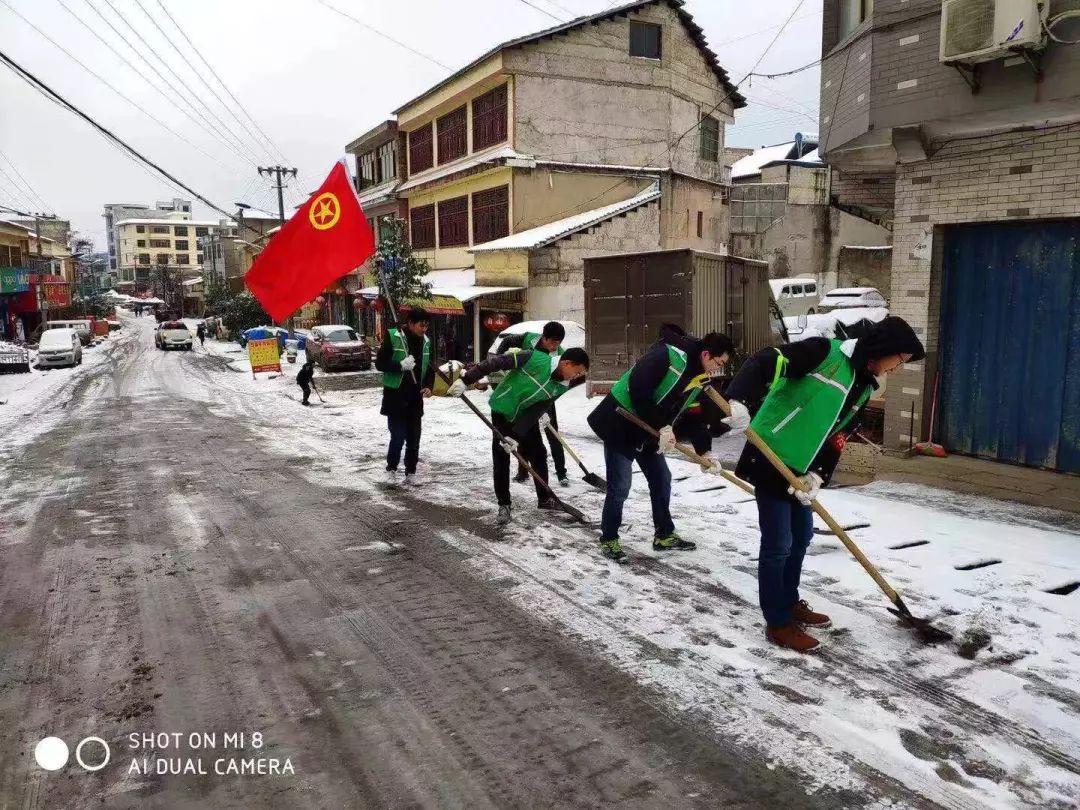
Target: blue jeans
{"type": "Point", "coordinates": [786, 529]}
{"type": "Point", "coordinates": [404, 431]}
{"type": "Point", "coordinates": [619, 472]}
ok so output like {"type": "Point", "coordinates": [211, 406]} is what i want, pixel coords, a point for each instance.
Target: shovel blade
{"type": "Point", "coordinates": [927, 633]}
{"type": "Point", "coordinates": [572, 511]}
{"type": "Point", "coordinates": [594, 480]}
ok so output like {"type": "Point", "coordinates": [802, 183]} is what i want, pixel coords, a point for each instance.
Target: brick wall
{"type": "Point", "coordinates": [1011, 177]}
{"type": "Point", "coordinates": [875, 191]}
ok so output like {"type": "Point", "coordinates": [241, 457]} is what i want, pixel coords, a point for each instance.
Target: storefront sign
{"type": "Point", "coordinates": [264, 355]}
{"type": "Point", "coordinates": [14, 280]}
{"type": "Point", "coordinates": [439, 305]}
{"type": "Point", "coordinates": [58, 294]}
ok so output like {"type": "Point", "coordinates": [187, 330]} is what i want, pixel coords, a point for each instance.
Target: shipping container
{"type": "Point", "coordinates": [629, 296]}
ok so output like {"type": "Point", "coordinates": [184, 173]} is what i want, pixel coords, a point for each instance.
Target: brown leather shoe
{"type": "Point", "coordinates": [805, 616]}
{"type": "Point", "coordinates": [792, 637]}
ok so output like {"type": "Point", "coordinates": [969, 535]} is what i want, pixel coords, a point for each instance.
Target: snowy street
{"type": "Point", "coordinates": [186, 548]}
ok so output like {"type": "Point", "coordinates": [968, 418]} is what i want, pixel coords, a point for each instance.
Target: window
{"type": "Point", "coordinates": [386, 226]}
{"type": "Point", "coordinates": [700, 224]}
{"type": "Point", "coordinates": [785, 291]}
{"type": "Point", "coordinates": [160, 243]}
{"type": "Point", "coordinates": [140, 229]}
{"type": "Point", "coordinates": [454, 222]}
{"type": "Point", "coordinates": [796, 289]}
{"type": "Point", "coordinates": [420, 150]}
{"type": "Point", "coordinates": [491, 214]}
{"type": "Point", "coordinates": [710, 139]}
{"type": "Point", "coordinates": [422, 227]}
{"type": "Point", "coordinates": [811, 289]}
{"type": "Point", "coordinates": [183, 258]}
{"type": "Point", "coordinates": [202, 232]}
{"type": "Point", "coordinates": [162, 258]}
{"type": "Point", "coordinates": [644, 40]}
{"type": "Point", "coordinates": [140, 243]}
{"type": "Point", "coordinates": [144, 258]}
{"type": "Point", "coordinates": [368, 169]}
{"type": "Point", "coordinates": [854, 13]}
{"type": "Point", "coordinates": [160, 229]}
{"type": "Point", "coordinates": [489, 118]}
{"type": "Point", "coordinates": [453, 135]}
{"type": "Point", "coordinates": [386, 160]}
{"type": "Point", "coordinates": [199, 258]}
{"type": "Point", "coordinates": [181, 244]}
{"type": "Point", "coordinates": [180, 230]}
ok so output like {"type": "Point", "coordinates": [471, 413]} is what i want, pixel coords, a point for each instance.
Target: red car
{"type": "Point", "coordinates": [338, 347]}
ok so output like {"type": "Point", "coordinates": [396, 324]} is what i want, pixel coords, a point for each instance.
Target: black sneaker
{"type": "Point", "coordinates": [612, 549]}
{"type": "Point", "coordinates": [548, 503]}
{"type": "Point", "coordinates": [504, 515]}
{"type": "Point", "coordinates": [564, 481]}
{"type": "Point", "coordinates": [521, 477]}
{"type": "Point", "coordinates": [672, 543]}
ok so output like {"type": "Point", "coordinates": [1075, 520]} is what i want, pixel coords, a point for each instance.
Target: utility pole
{"type": "Point", "coordinates": [278, 172]}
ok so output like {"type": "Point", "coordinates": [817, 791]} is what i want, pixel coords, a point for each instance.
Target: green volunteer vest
{"type": "Point", "coordinates": [392, 379]}
{"type": "Point", "coordinates": [677, 362]}
{"type": "Point", "coordinates": [798, 415]}
{"type": "Point", "coordinates": [526, 386]}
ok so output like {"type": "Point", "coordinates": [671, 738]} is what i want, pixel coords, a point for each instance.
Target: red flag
{"type": "Point", "coordinates": [324, 240]}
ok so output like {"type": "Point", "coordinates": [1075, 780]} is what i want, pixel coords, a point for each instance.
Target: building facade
{"type": "Point", "coordinates": [968, 138]}
{"type": "Point", "coordinates": [115, 212]}
{"type": "Point", "coordinates": [148, 247]}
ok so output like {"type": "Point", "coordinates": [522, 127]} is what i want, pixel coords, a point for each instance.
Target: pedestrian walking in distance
{"type": "Point", "coordinates": [661, 389]}
{"type": "Point", "coordinates": [405, 360]}
{"type": "Point", "coordinates": [200, 333]}
{"type": "Point", "coordinates": [535, 379]}
{"type": "Point", "coordinates": [303, 379]}
{"type": "Point", "coordinates": [803, 399]}
{"type": "Point", "coordinates": [550, 341]}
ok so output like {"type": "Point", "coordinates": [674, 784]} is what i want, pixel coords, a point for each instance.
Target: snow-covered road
{"type": "Point", "coordinates": [875, 718]}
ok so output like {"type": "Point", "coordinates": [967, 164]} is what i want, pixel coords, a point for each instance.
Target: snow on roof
{"type": "Point", "coordinates": [554, 231]}
{"type": "Point", "coordinates": [479, 158]}
{"type": "Point", "coordinates": [163, 221]}
{"type": "Point", "coordinates": [753, 164]}
{"type": "Point", "coordinates": [191, 282]}
{"type": "Point", "coordinates": [459, 284]}
{"type": "Point", "coordinates": [258, 213]}
{"type": "Point", "coordinates": [851, 291]}
{"type": "Point", "coordinates": [867, 247]}
{"type": "Point", "coordinates": [378, 192]}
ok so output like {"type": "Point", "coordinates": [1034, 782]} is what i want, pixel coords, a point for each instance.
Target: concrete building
{"type": "Point", "coordinates": [166, 242]}
{"type": "Point", "coordinates": [114, 212]}
{"type": "Point", "coordinates": [560, 124]}
{"type": "Point", "coordinates": [783, 212]}
{"type": "Point", "coordinates": [965, 131]}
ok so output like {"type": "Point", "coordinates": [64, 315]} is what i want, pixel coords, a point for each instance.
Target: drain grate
{"type": "Point", "coordinates": [912, 544]}
{"type": "Point", "coordinates": [1064, 590]}
{"type": "Point", "coordinates": [977, 564]}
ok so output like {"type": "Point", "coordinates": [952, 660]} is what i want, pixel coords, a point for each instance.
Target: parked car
{"type": "Point", "coordinates": [84, 328]}
{"type": "Point", "coordinates": [59, 347]}
{"type": "Point", "coordinates": [575, 338]}
{"type": "Point", "coordinates": [338, 347]}
{"type": "Point", "coordinates": [263, 332]}
{"type": "Point", "coordinates": [848, 297]}
{"type": "Point", "coordinates": [173, 335]}
{"type": "Point", "coordinates": [795, 296]}
{"type": "Point", "coordinates": [14, 359]}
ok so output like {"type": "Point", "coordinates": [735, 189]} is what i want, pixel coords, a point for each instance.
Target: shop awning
{"type": "Point", "coordinates": [450, 291]}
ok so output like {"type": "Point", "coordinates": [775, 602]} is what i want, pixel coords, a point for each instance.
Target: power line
{"type": "Point", "coordinates": [105, 82]}
{"type": "Point", "coordinates": [44, 205]}
{"type": "Point", "coordinates": [543, 11]}
{"type": "Point", "coordinates": [47, 91]}
{"type": "Point", "coordinates": [214, 73]}
{"type": "Point", "coordinates": [385, 36]}
{"type": "Point", "coordinates": [815, 63]}
{"type": "Point", "coordinates": [181, 91]}
{"type": "Point", "coordinates": [763, 30]}
{"type": "Point", "coordinates": [183, 56]}
{"type": "Point", "coordinates": [157, 89]}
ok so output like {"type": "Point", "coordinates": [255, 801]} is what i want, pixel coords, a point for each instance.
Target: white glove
{"type": "Point", "coordinates": [811, 482]}
{"type": "Point", "coordinates": [714, 468]}
{"type": "Point", "coordinates": [457, 388]}
{"type": "Point", "coordinates": [408, 363]}
{"type": "Point", "coordinates": [739, 420]}
{"type": "Point", "coordinates": [544, 421]}
{"type": "Point", "coordinates": [667, 439]}
{"type": "Point", "coordinates": [509, 445]}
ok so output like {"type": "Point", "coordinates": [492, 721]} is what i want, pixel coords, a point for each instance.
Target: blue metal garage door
{"type": "Point", "coordinates": [1010, 343]}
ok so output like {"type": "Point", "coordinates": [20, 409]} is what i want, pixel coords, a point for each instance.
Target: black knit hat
{"type": "Point", "coordinates": [891, 336]}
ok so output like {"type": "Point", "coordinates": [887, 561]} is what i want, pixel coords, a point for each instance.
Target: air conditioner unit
{"type": "Point", "coordinates": [981, 30]}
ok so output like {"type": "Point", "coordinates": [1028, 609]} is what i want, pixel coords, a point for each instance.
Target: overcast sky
{"type": "Point", "coordinates": [311, 79]}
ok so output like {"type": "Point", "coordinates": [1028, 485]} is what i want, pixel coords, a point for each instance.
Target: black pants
{"type": "Point", "coordinates": [531, 446]}
{"type": "Point", "coordinates": [307, 392]}
{"type": "Point", "coordinates": [558, 455]}
{"type": "Point", "coordinates": [405, 427]}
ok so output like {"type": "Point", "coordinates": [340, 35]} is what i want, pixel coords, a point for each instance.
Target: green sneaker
{"type": "Point", "coordinates": [672, 543]}
{"type": "Point", "coordinates": [612, 549]}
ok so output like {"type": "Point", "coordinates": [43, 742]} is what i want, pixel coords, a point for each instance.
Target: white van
{"type": "Point", "coordinates": [59, 347]}
{"type": "Point", "coordinates": [82, 327]}
{"type": "Point", "coordinates": [795, 296]}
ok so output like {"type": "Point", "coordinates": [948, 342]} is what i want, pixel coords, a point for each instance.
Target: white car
{"type": "Point", "coordinates": [847, 297]}
{"type": "Point", "coordinates": [173, 335]}
{"type": "Point", "coordinates": [59, 347]}
{"type": "Point", "coordinates": [575, 338]}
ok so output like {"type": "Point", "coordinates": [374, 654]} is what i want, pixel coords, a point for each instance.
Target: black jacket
{"type": "Point", "coordinates": [303, 379]}
{"type": "Point", "coordinates": [407, 396]}
{"type": "Point", "coordinates": [751, 384]}
{"type": "Point", "coordinates": [507, 362]}
{"type": "Point", "coordinates": [645, 376]}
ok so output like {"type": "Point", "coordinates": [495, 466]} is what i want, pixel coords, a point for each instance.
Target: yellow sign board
{"type": "Point", "coordinates": [264, 355]}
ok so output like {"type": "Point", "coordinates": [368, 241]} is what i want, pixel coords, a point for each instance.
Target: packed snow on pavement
{"type": "Point", "coordinates": [989, 720]}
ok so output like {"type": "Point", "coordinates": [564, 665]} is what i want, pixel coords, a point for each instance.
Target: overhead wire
{"type": "Point", "coordinates": [108, 84]}
{"type": "Point", "coordinates": [33, 191]}
{"type": "Point", "coordinates": [384, 35]}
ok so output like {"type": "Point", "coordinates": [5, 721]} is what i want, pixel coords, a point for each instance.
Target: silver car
{"type": "Point", "coordinates": [59, 347]}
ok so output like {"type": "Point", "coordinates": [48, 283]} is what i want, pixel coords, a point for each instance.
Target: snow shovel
{"type": "Point", "coordinates": [928, 633]}
{"type": "Point", "coordinates": [590, 478]}
{"type": "Point", "coordinates": [570, 510]}
{"type": "Point", "coordinates": [686, 451]}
